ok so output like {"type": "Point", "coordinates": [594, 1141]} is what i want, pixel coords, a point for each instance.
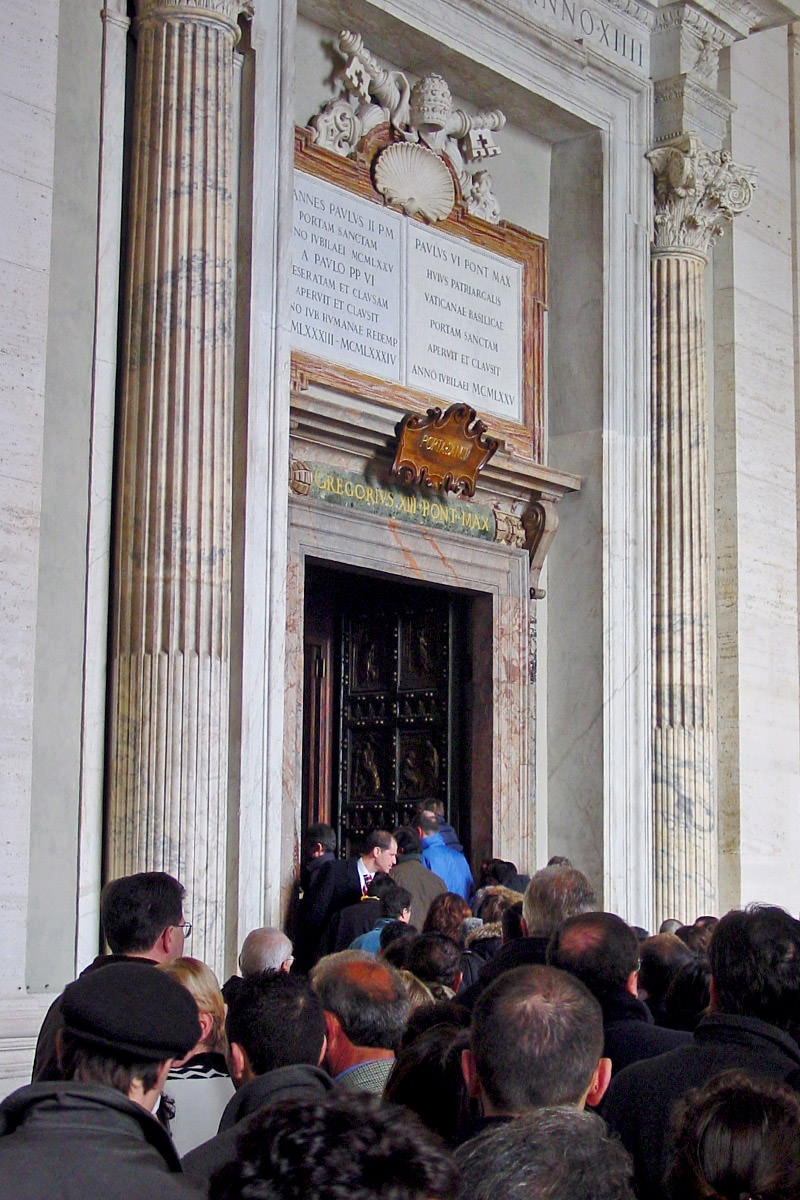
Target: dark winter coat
{"type": "Point", "coordinates": [519, 952]}
{"type": "Point", "coordinates": [66, 1141]}
{"type": "Point", "coordinates": [640, 1100]}
{"type": "Point", "coordinates": [630, 1033]}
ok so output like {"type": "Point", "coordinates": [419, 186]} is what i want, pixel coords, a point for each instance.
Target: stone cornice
{"type": "Point", "coordinates": [642, 13]}
{"type": "Point", "coordinates": [738, 18]}
{"type": "Point", "coordinates": [681, 16]}
{"type": "Point", "coordinates": [696, 192]}
{"type": "Point", "coordinates": [679, 86]}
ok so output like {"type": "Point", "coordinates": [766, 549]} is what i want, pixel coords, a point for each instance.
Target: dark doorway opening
{"type": "Point", "coordinates": [388, 702]}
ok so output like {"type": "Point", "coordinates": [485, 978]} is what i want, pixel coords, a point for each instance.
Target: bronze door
{"type": "Point", "coordinates": [392, 684]}
{"type": "Point", "coordinates": [395, 712]}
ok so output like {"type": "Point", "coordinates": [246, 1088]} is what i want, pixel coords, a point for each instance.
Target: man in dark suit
{"type": "Point", "coordinates": [335, 885]}
{"type": "Point", "coordinates": [354, 919]}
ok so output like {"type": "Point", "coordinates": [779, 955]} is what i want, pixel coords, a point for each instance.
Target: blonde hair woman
{"type": "Point", "coordinates": [199, 1085]}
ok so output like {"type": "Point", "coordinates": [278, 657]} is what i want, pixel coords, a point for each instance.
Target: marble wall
{"type": "Point", "coordinates": [69, 471]}
{"type": "Point", "coordinates": [28, 68]}
{"type": "Point", "coordinates": [756, 496]}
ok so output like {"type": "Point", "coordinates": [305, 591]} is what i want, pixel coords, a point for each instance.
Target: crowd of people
{"type": "Point", "coordinates": [414, 1037]}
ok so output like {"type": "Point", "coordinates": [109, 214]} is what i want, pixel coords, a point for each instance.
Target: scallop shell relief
{"type": "Point", "coordinates": [416, 180]}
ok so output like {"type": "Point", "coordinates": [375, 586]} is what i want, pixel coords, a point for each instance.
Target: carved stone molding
{"type": "Point", "coordinates": [540, 521]}
{"type": "Point", "coordinates": [299, 379]}
{"type": "Point", "coordinates": [697, 191]}
{"type": "Point", "coordinates": [300, 477]}
{"type": "Point", "coordinates": [631, 8]}
{"type": "Point", "coordinates": [734, 18]}
{"type": "Point", "coordinates": [509, 529]}
{"type": "Point", "coordinates": [680, 16]}
{"type": "Point", "coordinates": [115, 12]}
{"type": "Point", "coordinates": [683, 102]}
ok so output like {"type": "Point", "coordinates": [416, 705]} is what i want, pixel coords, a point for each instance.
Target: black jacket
{"type": "Point", "coordinates": [519, 952]}
{"type": "Point", "coordinates": [297, 1082]}
{"type": "Point", "coordinates": [629, 1031]}
{"type": "Point", "coordinates": [67, 1141]}
{"type": "Point", "coordinates": [349, 923]}
{"type": "Point", "coordinates": [639, 1102]}
{"type": "Point", "coordinates": [308, 870]}
{"type": "Point", "coordinates": [333, 886]}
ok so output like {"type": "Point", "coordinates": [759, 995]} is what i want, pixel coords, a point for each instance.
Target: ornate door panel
{"type": "Point", "coordinates": [397, 713]}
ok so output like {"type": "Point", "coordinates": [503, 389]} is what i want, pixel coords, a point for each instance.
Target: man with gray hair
{"type": "Point", "coordinates": [553, 895]}
{"type": "Point", "coordinates": [265, 949]}
{"type": "Point", "coordinates": [551, 1154]}
{"type": "Point", "coordinates": [366, 1009]}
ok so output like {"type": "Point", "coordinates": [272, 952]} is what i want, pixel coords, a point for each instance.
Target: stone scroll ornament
{"type": "Point", "coordinates": [431, 142]}
{"type": "Point", "coordinates": [696, 191]}
{"type": "Point", "coordinates": [443, 450]}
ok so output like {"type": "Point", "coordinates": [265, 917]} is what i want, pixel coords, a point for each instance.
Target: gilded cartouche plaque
{"type": "Point", "coordinates": [443, 450]}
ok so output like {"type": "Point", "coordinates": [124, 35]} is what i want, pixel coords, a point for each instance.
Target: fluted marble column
{"type": "Point", "coordinates": [697, 190]}
{"type": "Point", "coordinates": [168, 745]}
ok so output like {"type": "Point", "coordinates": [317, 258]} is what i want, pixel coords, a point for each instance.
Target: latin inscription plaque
{"type": "Point", "coordinates": [414, 315]}
{"type": "Point", "coordinates": [385, 295]}
{"type": "Point", "coordinates": [346, 278]}
{"type": "Point", "coordinates": [464, 323]}
{"type": "Point", "coordinates": [384, 498]}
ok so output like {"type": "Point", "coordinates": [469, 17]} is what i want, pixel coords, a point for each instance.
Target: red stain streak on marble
{"type": "Point", "coordinates": [411, 562]}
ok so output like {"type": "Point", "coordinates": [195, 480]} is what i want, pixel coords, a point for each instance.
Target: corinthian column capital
{"type": "Point", "coordinates": [219, 12]}
{"type": "Point", "coordinates": [697, 191]}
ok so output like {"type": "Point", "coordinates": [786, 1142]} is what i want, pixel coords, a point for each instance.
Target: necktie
{"type": "Point", "coordinates": [367, 882]}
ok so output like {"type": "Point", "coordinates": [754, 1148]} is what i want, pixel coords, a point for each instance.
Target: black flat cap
{"type": "Point", "coordinates": [133, 1009]}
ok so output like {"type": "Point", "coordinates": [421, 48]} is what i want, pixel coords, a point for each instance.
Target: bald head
{"type": "Point", "coordinates": [600, 949]}
{"type": "Point", "coordinates": [265, 949]}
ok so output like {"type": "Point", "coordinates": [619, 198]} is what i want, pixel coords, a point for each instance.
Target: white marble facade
{"type": "Point", "coordinates": [587, 89]}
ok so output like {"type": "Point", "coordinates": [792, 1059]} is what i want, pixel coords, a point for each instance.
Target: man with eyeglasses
{"type": "Point", "coordinates": [142, 918]}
